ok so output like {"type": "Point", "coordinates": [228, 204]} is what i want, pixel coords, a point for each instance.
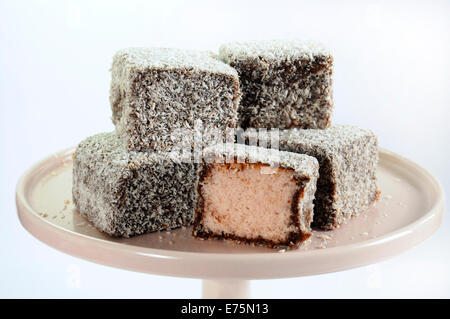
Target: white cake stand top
{"type": "Point", "coordinates": [410, 210]}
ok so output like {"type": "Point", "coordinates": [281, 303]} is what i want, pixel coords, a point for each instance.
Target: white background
{"type": "Point", "coordinates": [391, 75]}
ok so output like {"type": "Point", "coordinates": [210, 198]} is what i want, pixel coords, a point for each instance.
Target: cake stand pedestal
{"type": "Point", "coordinates": [410, 210]}
{"type": "Point", "coordinates": [225, 289]}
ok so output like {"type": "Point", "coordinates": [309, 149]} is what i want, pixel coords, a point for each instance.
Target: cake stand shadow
{"type": "Point", "coordinates": [410, 209]}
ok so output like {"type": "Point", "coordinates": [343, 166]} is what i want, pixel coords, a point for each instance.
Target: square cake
{"type": "Point", "coordinates": [158, 95]}
{"type": "Point", "coordinates": [255, 195]}
{"type": "Point", "coordinates": [285, 83]}
{"type": "Point", "coordinates": [348, 157]}
{"type": "Point", "coordinates": [125, 193]}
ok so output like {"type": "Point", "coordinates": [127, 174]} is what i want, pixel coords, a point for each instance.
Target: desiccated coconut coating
{"type": "Point", "coordinates": [348, 158]}
{"type": "Point", "coordinates": [126, 193]}
{"type": "Point", "coordinates": [285, 83]}
{"type": "Point", "coordinates": [157, 94]}
{"type": "Point", "coordinates": [255, 195]}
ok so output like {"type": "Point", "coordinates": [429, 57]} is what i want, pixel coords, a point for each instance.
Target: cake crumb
{"type": "Point", "coordinates": [44, 214]}
{"type": "Point", "coordinates": [282, 251]}
{"type": "Point", "coordinates": [66, 201]}
{"type": "Point", "coordinates": [324, 237]}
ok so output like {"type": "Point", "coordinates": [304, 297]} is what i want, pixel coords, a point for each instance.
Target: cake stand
{"type": "Point", "coordinates": [410, 209]}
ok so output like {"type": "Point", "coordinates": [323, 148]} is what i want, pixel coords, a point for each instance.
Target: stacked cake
{"type": "Point", "coordinates": [132, 181]}
{"type": "Point", "coordinates": [240, 144]}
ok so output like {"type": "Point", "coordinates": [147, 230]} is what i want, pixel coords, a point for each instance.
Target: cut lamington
{"type": "Point", "coordinates": [255, 195]}
{"type": "Point", "coordinates": [125, 193]}
{"type": "Point", "coordinates": [348, 158]}
{"type": "Point", "coordinates": [285, 83]}
{"type": "Point", "coordinates": [166, 98]}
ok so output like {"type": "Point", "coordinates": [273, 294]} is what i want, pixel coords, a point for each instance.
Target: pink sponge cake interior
{"type": "Point", "coordinates": [258, 195]}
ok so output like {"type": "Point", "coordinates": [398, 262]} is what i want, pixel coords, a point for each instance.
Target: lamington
{"type": "Point", "coordinates": [285, 83]}
{"type": "Point", "coordinates": [162, 98]}
{"type": "Point", "coordinates": [255, 195]}
{"type": "Point", "coordinates": [125, 193]}
{"type": "Point", "coordinates": [348, 157]}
